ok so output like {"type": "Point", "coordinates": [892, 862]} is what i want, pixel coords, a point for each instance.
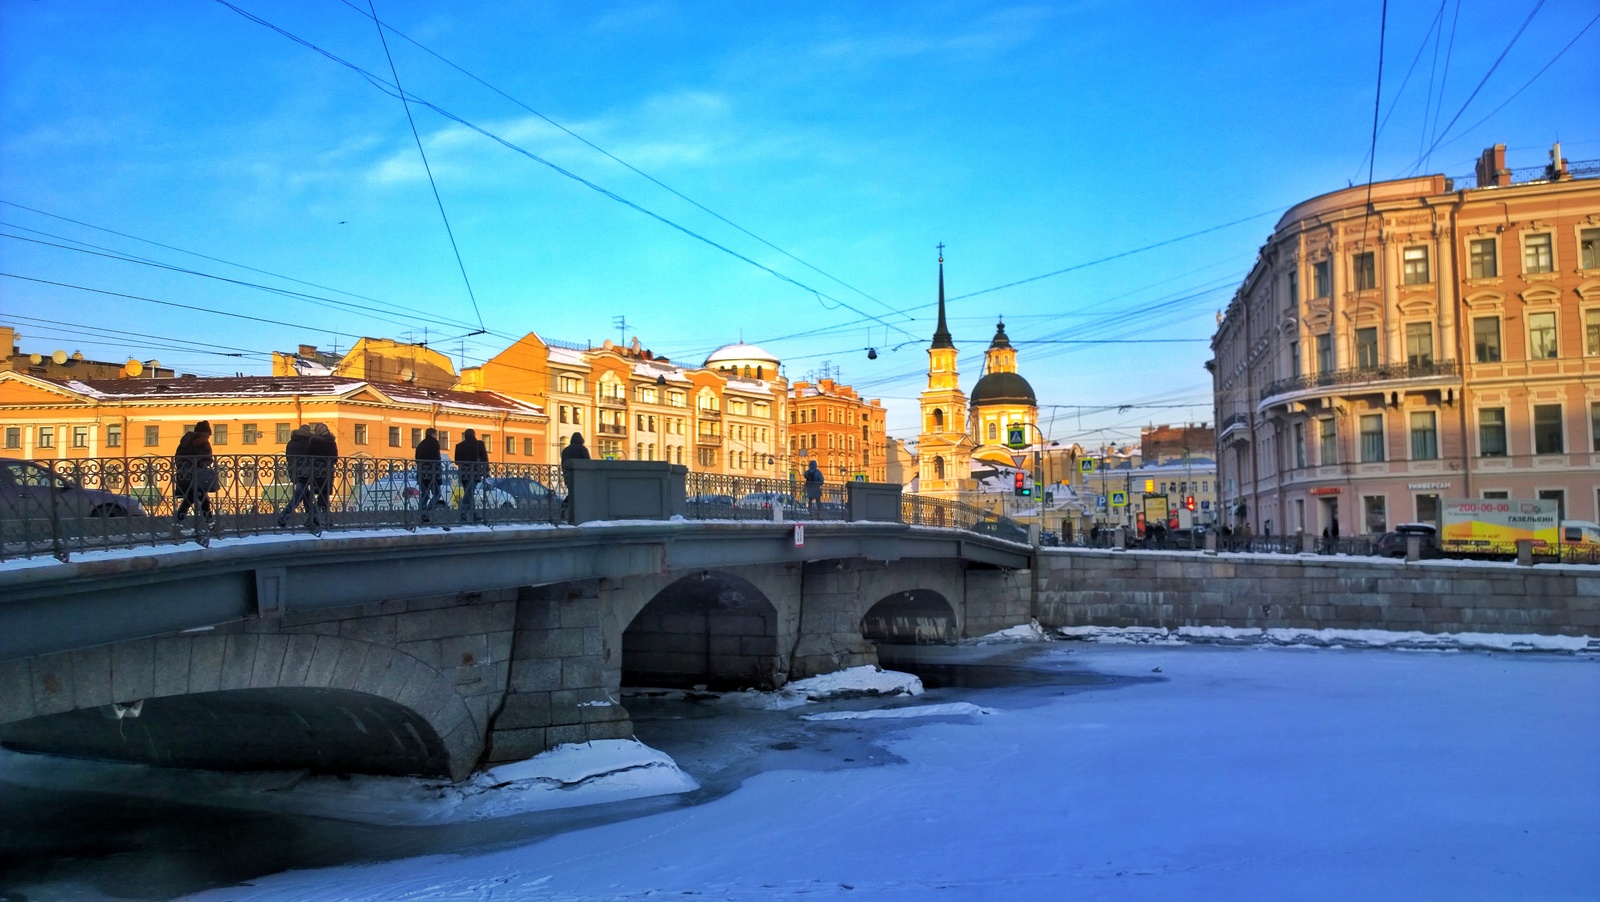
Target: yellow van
{"type": "Point", "coordinates": [1581, 533]}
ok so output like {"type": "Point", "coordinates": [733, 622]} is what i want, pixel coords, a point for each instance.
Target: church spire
{"type": "Point", "coordinates": [941, 335]}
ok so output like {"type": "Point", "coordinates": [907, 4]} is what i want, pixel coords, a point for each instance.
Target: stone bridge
{"type": "Point", "coordinates": [442, 653]}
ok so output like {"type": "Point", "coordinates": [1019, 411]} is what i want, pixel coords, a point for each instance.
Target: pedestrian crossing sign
{"type": "Point", "coordinates": [1016, 437]}
{"type": "Point", "coordinates": [1119, 499]}
{"type": "Point", "coordinates": [1086, 465]}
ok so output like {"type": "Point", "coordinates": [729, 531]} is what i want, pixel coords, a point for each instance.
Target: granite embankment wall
{"type": "Point", "coordinates": [1173, 589]}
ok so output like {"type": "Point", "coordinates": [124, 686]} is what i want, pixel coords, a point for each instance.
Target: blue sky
{"type": "Point", "coordinates": [853, 136]}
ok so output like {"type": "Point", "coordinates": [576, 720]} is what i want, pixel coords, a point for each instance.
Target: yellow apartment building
{"type": "Point", "coordinates": [846, 434]}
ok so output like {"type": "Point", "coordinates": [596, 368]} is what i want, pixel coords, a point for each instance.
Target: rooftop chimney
{"type": "Point", "coordinates": [308, 350]}
{"type": "Point", "coordinates": [1492, 171]}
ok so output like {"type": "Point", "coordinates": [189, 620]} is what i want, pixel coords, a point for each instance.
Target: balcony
{"type": "Point", "coordinates": [1395, 372]}
{"type": "Point", "coordinates": [711, 441]}
{"type": "Point", "coordinates": [611, 429]}
{"type": "Point", "coordinates": [1235, 426]}
{"type": "Point", "coordinates": [706, 413]}
{"type": "Point", "coordinates": [619, 401]}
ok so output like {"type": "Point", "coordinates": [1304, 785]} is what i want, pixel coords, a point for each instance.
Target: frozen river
{"type": "Point", "coordinates": [1056, 770]}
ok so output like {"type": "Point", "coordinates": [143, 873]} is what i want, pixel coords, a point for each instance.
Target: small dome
{"type": "Point", "coordinates": [1003, 388]}
{"type": "Point", "coordinates": [739, 356]}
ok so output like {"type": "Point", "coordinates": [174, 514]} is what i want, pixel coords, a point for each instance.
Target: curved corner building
{"type": "Point", "coordinates": [1419, 340]}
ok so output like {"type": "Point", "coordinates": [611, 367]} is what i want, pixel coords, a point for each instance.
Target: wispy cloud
{"type": "Point", "coordinates": [996, 32]}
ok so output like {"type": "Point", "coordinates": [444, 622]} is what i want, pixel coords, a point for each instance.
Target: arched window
{"type": "Point", "coordinates": [759, 371]}
{"type": "Point", "coordinates": [938, 468]}
{"type": "Point", "coordinates": [994, 432]}
{"type": "Point", "coordinates": [938, 418]}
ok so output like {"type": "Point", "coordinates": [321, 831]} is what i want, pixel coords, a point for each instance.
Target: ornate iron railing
{"type": "Point", "coordinates": [1362, 376]}
{"type": "Point", "coordinates": [65, 507]}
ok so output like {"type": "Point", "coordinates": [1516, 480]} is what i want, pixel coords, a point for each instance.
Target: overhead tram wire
{"type": "Point", "coordinates": [1526, 85]}
{"type": "Point", "coordinates": [125, 335]}
{"type": "Point", "coordinates": [426, 168]}
{"type": "Point", "coordinates": [1377, 102]}
{"type": "Point", "coordinates": [265, 272]}
{"type": "Point", "coordinates": [392, 308]}
{"type": "Point", "coordinates": [378, 82]}
{"type": "Point", "coordinates": [1096, 262]}
{"type": "Point", "coordinates": [1485, 80]}
{"type": "Point", "coordinates": [1395, 101]}
{"type": "Point", "coordinates": [621, 162]}
{"type": "Point", "coordinates": [283, 292]}
{"type": "Point", "coordinates": [135, 297]}
{"type": "Point", "coordinates": [1449, 54]}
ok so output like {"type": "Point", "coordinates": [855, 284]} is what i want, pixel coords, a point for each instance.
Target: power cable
{"type": "Point", "coordinates": [398, 308]}
{"type": "Point", "coordinates": [621, 162]}
{"type": "Point", "coordinates": [135, 297]}
{"type": "Point", "coordinates": [1087, 264]}
{"type": "Point", "coordinates": [1562, 52]}
{"type": "Point", "coordinates": [1485, 80]}
{"type": "Point", "coordinates": [297, 295]}
{"type": "Point", "coordinates": [1395, 101]}
{"type": "Point", "coordinates": [1377, 101]}
{"type": "Point", "coordinates": [426, 168]}
{"type": "Point", "coordinates": [1427, 106]}
{"type": "Point", "coordinates": [382, 85]}
{"type": "Point", "coordinates": [1449, 54]}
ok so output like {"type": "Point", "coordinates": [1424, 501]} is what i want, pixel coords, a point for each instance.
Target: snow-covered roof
{"type": "Point", "coordinates": [740, 352]}
{"type": "Point", "coordinates": [241, 387]}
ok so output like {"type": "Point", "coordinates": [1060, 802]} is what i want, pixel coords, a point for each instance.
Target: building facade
{"type": "Point", "coordinates": [845, 434]}
{"type": "Point", "coordinates": [1416, 341]}
{"type": "Point", "coordinates": [47, 419]}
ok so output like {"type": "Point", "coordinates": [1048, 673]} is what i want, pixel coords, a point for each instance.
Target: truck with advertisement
{"type": "Point", "coordinates": [1492, 526]}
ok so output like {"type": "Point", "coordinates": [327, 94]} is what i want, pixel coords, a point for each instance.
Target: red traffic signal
{"type": "Point", "coordinates": [1188, 502]}
{"type": "Point", "coordinates": [1017, 483]}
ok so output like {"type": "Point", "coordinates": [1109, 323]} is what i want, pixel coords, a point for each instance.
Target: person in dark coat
{"type": "Point", "coordinates": [324, 453]}
{"type": "Point", "coordinates": [428, 470]}
{"type": "Point", "coordinates": [297, 456]}
{"type": "Point", "coordinates": [574, 450]}
{"type": "Point", "coordinates": [472, 463]}
{"type": "Point", "coordinates": [814, 480]}
{"type": "Point", "coordinates": [192, 468]}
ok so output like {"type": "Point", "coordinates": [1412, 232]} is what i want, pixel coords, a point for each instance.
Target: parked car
{"type": "Point", "coordinates": [766, 501]}
{"type": "Point", "coordinates": [710, 507]}
{"type": "Point", "coordinates": [400, 491]}
{"type": "Point", "coordinates": [526, 493]}
{"type": "Point", "coordinates": [1393, 543]}
{"type": "Point", "coordinates": [30, 491]}
{"type": "Point", "coordinates": [1002, 529]}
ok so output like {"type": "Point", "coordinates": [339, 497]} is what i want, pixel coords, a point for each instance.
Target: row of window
{"type": "Point", "coordinates": [1543, 342]}
{"type": "Point", "coordinates": [1423, 430]}
{"type": "Point", "coordinates": [1483, 260]}
{"type": "Point", "coordinates": [250, 434]}
{"type": "Point", "coordinates": [1543, 336]}
{"type": "Point", "coordinates": [836, 443]}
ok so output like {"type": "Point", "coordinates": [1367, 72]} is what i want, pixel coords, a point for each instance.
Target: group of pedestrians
{"type": "Point", "coordinates": [312, 454]}
{"type": "Point", "coordinates": [311, 459]}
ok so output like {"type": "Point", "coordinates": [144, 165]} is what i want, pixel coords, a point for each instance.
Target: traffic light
{"type": "Point", "coordinates": [1017, 484]}
{"type": "Point", "coordinates": [1188, 502]}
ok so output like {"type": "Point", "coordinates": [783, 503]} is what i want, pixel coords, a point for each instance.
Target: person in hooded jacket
{"type": "Point", "coordinates": [814, 480]}
{"type": "Point", "coordinates": [472, 465]}
{"type": "Point", "coordinates": [297, 455]}
{"type": "Point", "coordinates": [574, 450]}
{"type": "Point", "coordinates": [323, 450]}
{"type": "Point", "coordinates": [192, 469]}
{"type": "Point", "coordinates": [428, 471]}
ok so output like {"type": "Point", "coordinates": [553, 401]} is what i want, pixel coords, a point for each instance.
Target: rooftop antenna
{"type": "Point", "coordinates": [621, 324]}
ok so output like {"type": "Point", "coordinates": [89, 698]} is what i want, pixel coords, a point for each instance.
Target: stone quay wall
{"type": "Point", "coordinates": [1173, 589]}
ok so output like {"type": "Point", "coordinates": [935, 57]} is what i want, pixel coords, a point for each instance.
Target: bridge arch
{"type": "Point", "coordinates": [713, 628]}
{"type": "Point", "coordinates": [914, 617]}
{"type": "Point", "coordinates": [250, 701]}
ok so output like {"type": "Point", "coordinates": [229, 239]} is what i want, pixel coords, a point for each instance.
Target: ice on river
{"type": "Point", "coordinates": [1190, 772]}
